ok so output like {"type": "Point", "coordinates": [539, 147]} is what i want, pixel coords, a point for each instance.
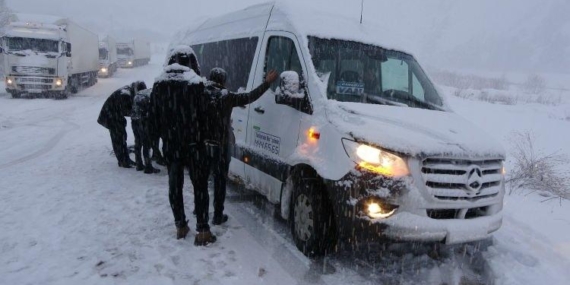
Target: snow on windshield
{"type": "Point", "coordinates": [36, 45]}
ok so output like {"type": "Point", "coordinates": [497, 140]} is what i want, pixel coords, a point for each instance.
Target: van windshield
{"type": "Point", "coordinates": [357, 72]}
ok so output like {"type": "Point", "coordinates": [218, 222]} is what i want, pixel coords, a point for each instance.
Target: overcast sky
{"type": "Point", "coordinates": [497, 35]}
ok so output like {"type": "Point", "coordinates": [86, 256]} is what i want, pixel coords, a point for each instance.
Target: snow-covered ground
{"type": "Point", "coordinates": [69, 215]}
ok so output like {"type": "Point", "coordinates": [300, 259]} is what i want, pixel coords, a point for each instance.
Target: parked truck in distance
{"type": "Point", "coordinates": [48, 55]}
{"type": "Point", "coordinates": [108, 61]}
{"type": "Point", "coordinates": [133, 53]}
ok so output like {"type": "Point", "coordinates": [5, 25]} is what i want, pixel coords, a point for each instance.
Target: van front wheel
{"type": "Point", "coordinates": [312, 222]}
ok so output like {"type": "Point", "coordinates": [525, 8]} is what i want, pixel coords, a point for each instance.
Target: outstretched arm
{"type": "Point", "coordinates": [240, 99]}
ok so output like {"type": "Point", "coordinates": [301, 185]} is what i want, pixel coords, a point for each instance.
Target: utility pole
{"type": "Point", "coordinates": [361, 10]}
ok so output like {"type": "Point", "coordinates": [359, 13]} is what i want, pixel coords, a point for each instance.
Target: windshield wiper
{"type": "Point", "coordinates": [380, 100]}
{"type": "Point", "coordinates": [409, 100]}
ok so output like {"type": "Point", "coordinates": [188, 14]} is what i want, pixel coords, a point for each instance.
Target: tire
{"type": "Point", "coordinates": [311, 217]}
{"type": "Point", "coordinates": [72, 85]}
{"type": "Point", "coordinates": [16, 95]}
{"type": "Point", "coordinates": [61, 96]}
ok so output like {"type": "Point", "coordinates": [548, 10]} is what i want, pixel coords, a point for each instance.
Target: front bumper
{"type": "Point", "coordinates": [34, 84]}
{"type": "Point", "coordinates": [103, 72]}
{"type": "Point", "coordinates": [126, 63]}
{"type": "Point", "coordinates": [417, 219]}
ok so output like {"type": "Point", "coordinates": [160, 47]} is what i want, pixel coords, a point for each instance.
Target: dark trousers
{"type": "Point", "coordinates": [199, 166]}
{"type": "Point", "coordinates": [119, 141]}
{"type": "Point", "coordinates": [220, 167]}
{"type": "Point", "coordinates": [142, 143]}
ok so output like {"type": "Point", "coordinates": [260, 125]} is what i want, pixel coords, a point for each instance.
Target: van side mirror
{"type": "Point", "coordinates": [289, 86]}
{"type": "Point", "coordinates": [291, 93]}
{"type": "Point", "coordinates": [68, 50]}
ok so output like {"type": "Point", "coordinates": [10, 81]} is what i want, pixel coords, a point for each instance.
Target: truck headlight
{"type": "Point", "coordinates": [104, 70]}
{"type": "Point", "coordinates": [130, 63]}
{"type": "Point", "coordinates": [58, 82]}
{"type": "Point", "coordinates": [375, 159]}
{"type": "Point", "coordinates": [9, 81]}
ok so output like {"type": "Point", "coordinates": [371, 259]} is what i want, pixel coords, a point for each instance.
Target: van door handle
{"type": "Point", "coordinates": [259, 110]}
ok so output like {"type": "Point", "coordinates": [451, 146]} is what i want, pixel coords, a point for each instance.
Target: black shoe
{"type": "Point", "coordinates": [124, 164]}
{"type": "Point", "coordinates": [218, 220]}
{"type": "Point", "coordinates": [182, 232]}
{"type": "Point", "coordinates": [131, 162]}
{"type": "Point", "coordinates": [204, 238]}
{"type": "Point", "coordinates": [151, 170]}
{"type": "Point", "coordinates": [159, 160]}
{"type": "Point", "coordinates": [140, 167]}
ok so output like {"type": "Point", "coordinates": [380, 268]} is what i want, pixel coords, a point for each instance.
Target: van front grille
{"type": "Point", "coordinates": [449, 214]}
{"type": "Point", "coordinates": [462, 179]}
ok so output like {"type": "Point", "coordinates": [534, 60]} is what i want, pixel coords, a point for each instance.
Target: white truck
{"type": "Point", "coordinates": [108, 61]}
{"type": "Point", "coordinates": [133, 53]}
{"type": "Point", "coordinates": [48, 55]}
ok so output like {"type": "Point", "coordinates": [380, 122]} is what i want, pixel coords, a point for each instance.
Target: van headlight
{"type": "Point", "coordinates": [375, 159]}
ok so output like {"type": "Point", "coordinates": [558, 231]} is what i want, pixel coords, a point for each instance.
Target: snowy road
{"type": "Point", "coordinates": [69, 215]}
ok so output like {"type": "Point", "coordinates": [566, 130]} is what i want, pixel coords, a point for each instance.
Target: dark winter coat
{"type": "Point", "coordinates": [220, 109]}
{"type": "Point", "coordinates": [141, 106]}
{"type": "Point", "coordinates": [176, 113]}
{"type": "Point", "coordinates": [115, 108]}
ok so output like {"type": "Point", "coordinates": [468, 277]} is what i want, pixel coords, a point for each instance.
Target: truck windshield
{"type": "Point", "coordinates": [357, 72]}
{"type": "Point", "coordinates": [103, 53]}
{"type": "Point", "coordinates": [125, 51]}
{"type": "Point", "coordinates": [36, 45]}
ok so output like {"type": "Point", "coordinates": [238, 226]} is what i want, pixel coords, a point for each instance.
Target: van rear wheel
{"type": "Point", "coordinates": [312, 221]}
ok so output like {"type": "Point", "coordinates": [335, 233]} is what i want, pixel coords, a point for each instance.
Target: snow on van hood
{"type": "Point", "coordinates": [413, 131]}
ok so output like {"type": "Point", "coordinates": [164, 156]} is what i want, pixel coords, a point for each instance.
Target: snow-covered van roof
{"type": "Point", "coordinates": [304, 20]}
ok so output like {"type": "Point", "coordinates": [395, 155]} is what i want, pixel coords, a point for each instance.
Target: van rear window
{"type": "Point", "coordinates": [235, 56]}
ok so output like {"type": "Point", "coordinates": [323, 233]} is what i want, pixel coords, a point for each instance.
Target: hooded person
{"type": "Point", "coordinates": [112, 117]}
{"type": "Point", "coordinates": [220, 135]}
{"type": "Point", "coordinates": [177, 113]}
{"type": "Point", "coordinates": [141, 129]}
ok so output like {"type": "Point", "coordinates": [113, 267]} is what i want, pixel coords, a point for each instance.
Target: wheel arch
{"type": "Point", "coordinates": [303, 170]}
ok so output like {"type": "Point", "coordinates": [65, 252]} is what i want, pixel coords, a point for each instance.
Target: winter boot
{"type": "Point", "coordinates": [151, 170]}
{"type": "Point", "coordinates": [158, 159]}
{"type": "Point", "coordinates": [219, 219]}
{"type": "Point", "coordinates": [182, 232]}
{"type": "Point", "coordinates": [140, 166]}
{"type": "Point", "coordinates": [204, 238]}
{"type": "Point", "coordinates": [125, 164]}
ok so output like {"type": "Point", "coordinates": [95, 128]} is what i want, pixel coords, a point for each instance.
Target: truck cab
{"type": "Point", "coordinates": [38, 56]}
{"type": "Point", "coordinates": [108, 62]}
{"type": "Point", "coordinates": [36, 59]}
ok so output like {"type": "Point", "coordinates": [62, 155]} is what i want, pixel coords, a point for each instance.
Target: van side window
{"type": "Point", "coordinates": [235, 56]}
{"type": "Point", "coordinates": [282, 56]}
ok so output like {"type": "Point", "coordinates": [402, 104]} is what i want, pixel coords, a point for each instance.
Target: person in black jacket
{"type": "Point", "coordinates": [177, 109]}
{"type": "Point", "coordinates": [141, 129]}
{"type": "Point", "coordinates": [219, 135]}
{"type": "Point", "coordinates": [112, 117]}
